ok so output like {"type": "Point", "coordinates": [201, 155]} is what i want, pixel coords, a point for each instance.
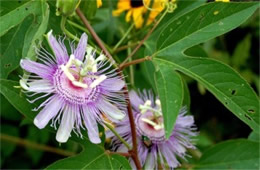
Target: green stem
{"type": "Point", "coordinates": [78, 26]}
{"type": "Point", "coordinates": [117, 135]}
{"type": "Point", "coordinates": [69, 34]}
{"type": "Point", "coordinates": [131, 68]}
{"type": "Point", "coordinates": [126, 46]}
{"type": "Point", "coordinates": [123, 38]}
{"type": "Point", "coordinates": [145, 38]}
{"type": "Point", "coordinates": [84, 30]}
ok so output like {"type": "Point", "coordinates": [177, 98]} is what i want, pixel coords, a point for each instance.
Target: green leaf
{"type": "Point", "coordinates": [221, 80]}
{"type": "Point", "coordinates": [16, 98]}
{"type": "Point", "coordinates": [182, 8]}
{"type": "Point", "coordinates": [233, 154]}
{"type": "Point", "coordinates": [92, 157]}
{"type": "Point", "coordinates": [186, 95]}
{"type": "Point", "coordinates": [8, 112]}
{"type": "Point", "coordinates": [11, 47]}
{"type": "Point", "coordinates": [242, 52]}
{"type": "Point", "coordinates": [148, 71]}
{"type": "Point", "coordinates": [37, 136]}
{"type": "Point", "coordinates": [7, 147]}
{"type": "Point", "coordinates": [89, 8]}
{"type": "Point", "coordinates": [254, 136]}
{"type": "Point", "coordinates": [21, 29]}
{"type": "Point", "coordinates": [203, 23]}
{"type": "Point", "coordinates": [196, 51]}
{"type": "Point", "coordinates": [170, 89]}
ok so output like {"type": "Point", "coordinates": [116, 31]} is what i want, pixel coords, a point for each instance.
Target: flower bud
{"type": "Point", "coordinates": [66, 7]}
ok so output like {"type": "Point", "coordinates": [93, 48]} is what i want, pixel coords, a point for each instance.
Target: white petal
{"type": "Point", "coordinates": [47, 113]}
{"type": "Point", "coordinates": [66, 125]}
{"type": "Point", "coordinates": [113, 84]}
{"type": "Point", "coordinates": [150, 162]}
{"type": "Point", "coordinates": [40, 86]}
{"type": "Point", "coordinates": [91, 124]}
{"type": "Point", "coordinates": [111, 110]}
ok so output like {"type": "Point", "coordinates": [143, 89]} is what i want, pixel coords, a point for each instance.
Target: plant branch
{"type": "Point", "coordinates": [78, 26]}
{"type": "Point", "coordinates": [69, 34]}
{"type": "Point", "coordinates": [93, 33]}
{"type": "Point", "coordinates": [34, 145]}
{"type": "Point", "coordinates": [133, 152]}
{"type": "Point", "coordinates": [120, 153]}
{"type": "Point", "coordinates": [145, 38]}
{"type": "Point", "coordinates": [135, 62]}
{"type": "Point", "coordinates": [125, 47]}
{"type": "Point", "coordinates": [123, 38]}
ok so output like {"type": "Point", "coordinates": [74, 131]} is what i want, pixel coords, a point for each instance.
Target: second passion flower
{"type": "Point", "coordinates": [154, 150]}
{"type": "Point", "coordinates": [80, 89]}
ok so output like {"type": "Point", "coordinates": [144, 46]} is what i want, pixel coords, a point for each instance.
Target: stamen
{"type": "Point", "coordinates": [67, 73]}
{"type": "Point", "coordinates": [100, 58]}
{"type": "Point", "coordinates": [98, 81]}
{"type": "Point", "coordinates": [80, 84]}
{"type": "Point", "coordinates": [70, 62]}
{"type": "Point", "coordinates": [158, 102]}
{"type": "Point", "coordinates": [155, 126]}
{"type": "Point", "coordinates": [158, 127]}
{"type": "Point", "coordinates": [148, 103]}
{"type": "Point", "coordinates": [23, 84]}
{"type": "Point", "coordinates": [77, 62]}
{"type": "Point", "coordinates": [149, 122]}
{"type": "Point", "coordinates": [147, 106]}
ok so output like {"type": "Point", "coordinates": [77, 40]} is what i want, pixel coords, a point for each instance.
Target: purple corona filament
{"type": "Point", "coordinates": [154, 150]}
{"type": "Point", "coordinates": [80, 89]}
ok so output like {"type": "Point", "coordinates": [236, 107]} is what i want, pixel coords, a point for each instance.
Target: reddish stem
{"type": "Point", "coordinates": [135, 62]}
{"type": "Point", "coordinates": [141, 43]}
{"type": "Point", "coordinates": [132, 152]}
{"type": "Point", "coordinates": [119, 153]}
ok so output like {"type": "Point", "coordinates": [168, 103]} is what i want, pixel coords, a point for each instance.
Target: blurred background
{"type": "Point", "coordinates": [24, 146]}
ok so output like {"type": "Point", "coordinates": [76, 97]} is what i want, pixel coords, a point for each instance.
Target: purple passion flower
{"type": "Point", "coordinates": [79, 89]}
{"type": "Point", "coordinates": [154, 150]}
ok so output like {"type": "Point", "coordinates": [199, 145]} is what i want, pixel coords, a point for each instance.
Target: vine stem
{"type": "Point", "coordinates": [93, 33]}
{"type": "Point", "coordinates": [69, 34]}
{"type": "Point", "coordinates": [123, 38]}
{"type": "Point", "coordinates": [135, 62]}
{"type": "Point", "coordinates": [125, 47]}
{"type": "Point", "coordinates": [133, 152]}
{"type": "Point", "coordinates": [145, 38]}
{"type": "Point", "coordinates": [120, 153]}
{"type": "Point", "coordinates": [30, 144]}
{"type": "Point", "coordinates": [110, 127]}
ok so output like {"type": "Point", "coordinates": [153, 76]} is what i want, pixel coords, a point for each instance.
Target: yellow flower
{"type": "Point", "coordinates": [136, 10]}
{"type": "Point", "coordinates": [222, 0]}
{"type": "Point", "coordinates": [99, 3]}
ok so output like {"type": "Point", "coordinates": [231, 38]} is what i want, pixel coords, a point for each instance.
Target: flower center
{"type": "Point", "coordinates": [77, 82]}
{"type": "Point", "coordinates": [136, 3]}
{"type": "Point", "coordinates": [150, 122]}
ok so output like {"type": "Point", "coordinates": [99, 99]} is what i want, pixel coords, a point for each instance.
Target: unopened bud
{"type": "Point", "coordinates": [66, 7]}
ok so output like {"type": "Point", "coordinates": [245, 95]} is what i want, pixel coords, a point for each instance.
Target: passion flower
{"type": "Point", "coordinates": [154, 150]}
{"type": "Point", "coordinates": [80, 89]}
